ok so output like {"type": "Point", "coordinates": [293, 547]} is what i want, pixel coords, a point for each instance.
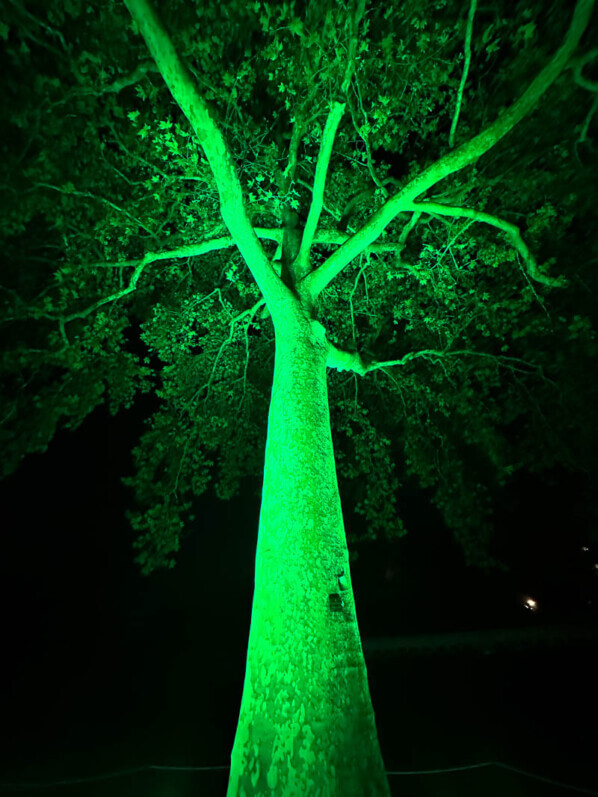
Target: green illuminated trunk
{"type": "Point", "coordinates": [306, 725]}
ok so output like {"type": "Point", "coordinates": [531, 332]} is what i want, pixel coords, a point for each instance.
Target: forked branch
{"type": "Point", "coordinates": [181, 252]}
{"type": "Point", "coordinates": [456, 159]}
{"type": "Point", "coordinates": [232, 207]}
{"type": "Point", "coordinates": [353, 361]}
{"type": "Point", "coordinates": [334, 117]}
{"type": "Point", "coordinates": [511, 230]}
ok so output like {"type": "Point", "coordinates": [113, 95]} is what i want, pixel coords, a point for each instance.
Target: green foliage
{"type": "Point", "coordinates": [47, 383]}
{"type": "Point", "coordinates": [103, 167]}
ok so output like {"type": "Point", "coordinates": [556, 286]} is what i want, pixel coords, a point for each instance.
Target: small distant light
{"type": "Point", "coordinates": [530, 604]}
{"type": "Point", "coordinates": [585, 548]}
{"type": "Point", "coordinates": [595, 565]}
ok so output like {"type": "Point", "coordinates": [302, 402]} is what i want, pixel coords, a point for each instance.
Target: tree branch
{"type": "Point", "coordinates": [338, 237]}
{"type": "Point", "coordinates": [585, 83]}
{"type": "Point", "coordinates": [87, 194]}
{"type": "Point", "coordinates": [583, 133]}
{"type": "Point", "coordinates": [362, 133]}
{"type": "Point", "coordinates": [301, 120]}
{"type": "Point", "coordinates": [466, 63]}
{"type": "Point", "coordinates": [590, 85]}
{"type": "Point", "coordinates": [289, 172]}
{"type": "Point", "coordinates": [202, 119]}
{"type": "Point", "coordinates": [129, 80]}
{"type": "Point", "coordinates": [346, 360]}
{"type": "Point", "coordinates": [356, 17]}
{"type": "Point", "coordinates": [353, 361]}
{"type": "Point", "coordinates": [456, 159]}
{"type": "Point", "coordinates": [511, 230]}
{"type": "Point", "coordinates": [190, 250]}
{"type": "Point", "coordinates": [231, 331]}
{"type": "Point", "coordinates": [336, 215]}
{"type": "Point", "coordinates": [407, 228]}
{"type": "Point", "coordinates": [202, 248]}
{"type": "Point", "coordinates": [193, 250]}
{"type": "Point", "coordinates": [332, 122]}
{"type": "Point", "coordinates": [435, 354]}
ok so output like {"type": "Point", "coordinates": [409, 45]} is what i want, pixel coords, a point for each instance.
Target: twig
{"type": "Point", "coordinates": [511, 230]}
{"type": "Point", "coordinates": [466, 63]}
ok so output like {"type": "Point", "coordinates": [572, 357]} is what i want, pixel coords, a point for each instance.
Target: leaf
{"type": "Point", "coordinates": [487, 33]}
{"type": "Point", "coordinates": [527, 31]}
{"type": "Point", "coordinates": [296, 27]}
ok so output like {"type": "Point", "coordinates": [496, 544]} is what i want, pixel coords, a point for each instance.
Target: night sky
{"type": "Point", "coordinates": [107, 670]}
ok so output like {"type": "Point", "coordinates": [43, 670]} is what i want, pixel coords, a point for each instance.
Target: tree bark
{"type": "Point", "coordinates": [306, 724]}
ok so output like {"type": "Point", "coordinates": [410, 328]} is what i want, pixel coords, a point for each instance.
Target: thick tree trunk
{"type": "Point", "coordinates": [306, 725]}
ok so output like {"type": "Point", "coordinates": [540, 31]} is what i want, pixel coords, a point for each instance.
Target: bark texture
{"type": "Point", "coordinates": [306, 724]}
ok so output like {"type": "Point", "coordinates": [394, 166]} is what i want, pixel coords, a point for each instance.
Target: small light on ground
{"type": "Point", "coordinates": [530, 604]}
{"type": "Point", "coordinates": [585, 548]}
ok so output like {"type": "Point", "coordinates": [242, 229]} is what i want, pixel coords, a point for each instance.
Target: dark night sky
{"type": "Point", "coordinates": [105, 669]}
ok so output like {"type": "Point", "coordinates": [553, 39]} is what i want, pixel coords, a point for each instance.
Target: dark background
{"type": "Point", "coordinates": [106, 670]}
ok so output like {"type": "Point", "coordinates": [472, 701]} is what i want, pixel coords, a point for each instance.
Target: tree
{"type": "Point", "coordinates": [207, 189]}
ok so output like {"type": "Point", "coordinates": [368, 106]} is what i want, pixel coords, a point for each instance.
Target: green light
{"type": "Point", "coordinates": [436, 304]}
{"type": "Point", "coordinates": [306, 725]}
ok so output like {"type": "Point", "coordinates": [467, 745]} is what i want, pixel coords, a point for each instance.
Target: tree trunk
{"type": "Point", "coordinates": [306, 725]}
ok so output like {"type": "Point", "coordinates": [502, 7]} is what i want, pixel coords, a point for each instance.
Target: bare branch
{"type": "Point", "coordinates": [89, 195]}
{"type": "Point", "coordinates": [250, 312]}
{"type": "Point", "coordinates": [408, 227]}
{"type": "Point", "coordinates": [52, 31]}
{"type": "Point", "coordinates": [346, 360]}
{"type": "Point", "coordinates": [338, 237]}
{"type": "Point", "coordinates": [191, 250]}
{"type": "Point", "coordinates": [332, 123]}
{"type": "Point", "coordinates": [336, 215]}
{"type": "Point", "coordinates": [456, 159]}
{"type": "Point", "coordinates": [437, 355]}
{"type": "Point", "coordinates": [365, 282]}
{"type": "Point", "coordinates": [583, 133]}
{"type": "Point", "coordinates": [584, 82]}
{"type": "Point", "coordinates": [128, 80]}
{"type": "Point", "coordinates": [511, 230]}
{"type": "Point", "coordinates": [357, 15]}
{"type": "Point", "coordinates": [362, 133]}
{"type": "Point", "coordinates": [466, 63]}
{"type": "Point", "coordinates": [590, 85]}
{"type": "Point", "coordinates": [289, 172]}
{"type": "Point", "coordinates": [203, 121]}
{"type": "Point", "coordinates": [353, 361]}
{"type": "Point", "coordinates": [195, 250]}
